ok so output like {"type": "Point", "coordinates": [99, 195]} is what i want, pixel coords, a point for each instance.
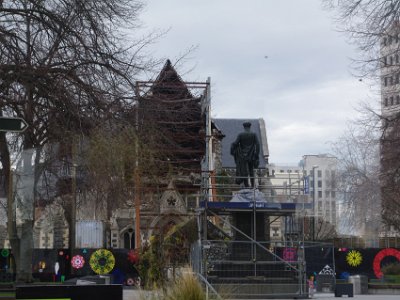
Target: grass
{"type": "Point", "coordinates": [391, 269]}
{"type": "Point", "coordinates": [7, 294]}
{"type": "Point", "coordinates": [186, 287]}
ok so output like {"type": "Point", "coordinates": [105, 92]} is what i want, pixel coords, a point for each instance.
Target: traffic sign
{"type": "Point", "coordinates": [12, 124]}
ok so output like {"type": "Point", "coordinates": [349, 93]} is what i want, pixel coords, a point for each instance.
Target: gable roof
{"type": "Point", "coordinates": [230, 128]}
{"type": "Point", "coordinates": [169, 84]}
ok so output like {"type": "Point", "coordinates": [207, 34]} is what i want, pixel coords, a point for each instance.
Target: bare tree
{"type": "Point", "coordinates": [324, 230]}
{"type": "Point", "coordinates": [358, 180]}
{"type": "Point", "coordinates": [374, 26]}
{"type": "Point", "coordinates": [109, 161]}
{"type": "Point", "coordinates": [367, 22]}
{"type": "Point", "coordinates": [65, 66]}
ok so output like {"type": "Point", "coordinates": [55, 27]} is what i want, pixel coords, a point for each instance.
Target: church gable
{"type": "Point", "coordinates": [168, 109]}
{"type": "Point", "coordinates": [170, 85]}
{"type": "Point", "coordinates": [172, 202]}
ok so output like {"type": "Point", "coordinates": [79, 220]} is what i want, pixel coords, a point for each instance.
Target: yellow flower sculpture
{"type": "Point", "coordinates": [102, 261]}
{"type": "Point", "coordinates": [354, 258]}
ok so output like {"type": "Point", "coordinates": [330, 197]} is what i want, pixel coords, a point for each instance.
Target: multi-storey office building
{"type": "Point", "coordinates": [390, 141]}
{"type": "Point", "coordinates": [390, 73]}
{"type": "Point", "coordinates": [321, 171]}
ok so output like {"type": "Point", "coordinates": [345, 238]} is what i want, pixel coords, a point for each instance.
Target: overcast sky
{"type": "Point", "coordinates": [282, 61]}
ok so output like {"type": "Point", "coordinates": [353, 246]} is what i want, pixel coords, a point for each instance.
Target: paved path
{"type": "Point", "coordinates": [360, 297]}
{"type": "Point", "coordinates": [130, 294]}
{"type": "Point", "coordinates": [357, 297]}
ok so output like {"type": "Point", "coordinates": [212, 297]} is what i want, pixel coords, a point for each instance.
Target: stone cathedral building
{"type": "Point", "coordinates": [180, 111]}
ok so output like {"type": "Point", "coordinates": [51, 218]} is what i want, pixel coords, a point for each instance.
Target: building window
{"type": "Point", "coordinates": [390, 39]}
{"type": "Point", "coordinates": [385, 81]}
{"type": "Point", "coordinates": [275, 231]}
{"type": "Point", "coordinates": [320, 183]}
{"type": "Point", "coordinates": [327, 193]}
{"type": "Point", "coordinates": [397, 78]}
{"type": "Point", "coordinates": [319, 194]}
{"type": "Point", "coordinates": [391, 60]}
{"type": "Point", "coordinates": [386, 101]}
{"type": "Point", "coordinates": [129, 239]}
{"type": "Point", "coordinates": [391, 100]}
{"type": "Point", "coordinates": [333, 193]}
{"type": "Point", "coordinates": [397, 58]}
{"type": "Point", "coordinates": [384, 41]}
{"type": "Point", "coordinates": [397, 99]}
{"type": "Point", "coordinates": [391, 80]}
{"type": "Point", "coordinates": [319, 173]}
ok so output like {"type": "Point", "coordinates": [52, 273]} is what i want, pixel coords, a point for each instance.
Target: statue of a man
{"type": "Point", "coordinates": [245, 150]}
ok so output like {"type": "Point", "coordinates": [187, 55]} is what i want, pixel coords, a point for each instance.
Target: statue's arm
{"type": "Point", "coordinates": [235, 145]}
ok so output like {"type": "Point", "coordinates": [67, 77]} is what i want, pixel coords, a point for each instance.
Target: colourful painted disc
{"type": "Point", "coordinates": [77, 262]}
{"type": "Point", "coordinates": [102, 261]}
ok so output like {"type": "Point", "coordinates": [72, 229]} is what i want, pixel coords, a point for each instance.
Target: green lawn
{"type": "Point", "coordinates": [7, 294]}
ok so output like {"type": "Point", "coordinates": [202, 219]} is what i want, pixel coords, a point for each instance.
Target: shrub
{"type": "Point", "coordinates": [150, 265]}
{"type": "Point", "coordinates": [391, 269]}
{"type": "Point", "coordinates": [186, 287]}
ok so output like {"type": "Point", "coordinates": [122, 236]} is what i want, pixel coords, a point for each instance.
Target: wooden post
{"type": "Point", "coordinates": [72, 227]}
{"type": "Point", "coordinates": [137, 210]}
{"type": "Point", "coordinates": [136, 178]}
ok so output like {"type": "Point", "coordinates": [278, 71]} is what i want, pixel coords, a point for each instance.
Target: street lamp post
{"type": "Point", "coordinates": [313, 213]}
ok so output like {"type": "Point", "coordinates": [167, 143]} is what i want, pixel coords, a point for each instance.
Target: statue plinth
{"type": "Point", "coordinates": [244, 221]}
{"type": "Point", "coordinates": [249, 195]}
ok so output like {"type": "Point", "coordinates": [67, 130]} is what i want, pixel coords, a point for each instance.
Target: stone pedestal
{"type": "Point", "coordinates": [244, 221]}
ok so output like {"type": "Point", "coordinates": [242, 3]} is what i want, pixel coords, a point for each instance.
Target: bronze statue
{"type": "Point", "coordinates": [246, 150]}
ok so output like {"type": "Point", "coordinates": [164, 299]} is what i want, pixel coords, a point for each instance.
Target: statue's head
{"type": "Point", "coordinates": [246, 125]}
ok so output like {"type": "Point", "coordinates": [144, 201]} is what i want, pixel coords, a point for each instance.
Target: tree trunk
{"type": "Point", "coordinates": [26, 249]}
{"type": "Point", "coordinates": [11, 220]}
{"type": "Point", "coordinates": [11, 223]}
{"type": "Point", "coordinates": [25, 191]}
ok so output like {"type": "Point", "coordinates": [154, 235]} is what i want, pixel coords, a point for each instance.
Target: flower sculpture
{"type": "Point", "coordinates": [133, 256]}
{"type": "Point", "coordinates": [380, 256]}
{"type": "Point", "coordinates": [77, 262]}
{"type": "Point", "coordinates": [354, 258]}
{"type": "Point", "coordinates": [102, 261]}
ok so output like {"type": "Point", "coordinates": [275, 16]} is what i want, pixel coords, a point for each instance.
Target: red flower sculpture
{"type": "Point", "coordinates": [133, 256]}
{"type": "Point", "coordinates": [380, 256]}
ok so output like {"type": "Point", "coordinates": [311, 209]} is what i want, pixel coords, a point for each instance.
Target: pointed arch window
{"type": "Point", "coordinates": [129, 239]}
